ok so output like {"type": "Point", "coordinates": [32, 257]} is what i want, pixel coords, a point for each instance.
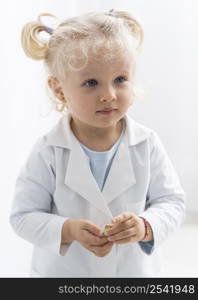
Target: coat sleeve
{"type": "Point", "coordinates": [31, 216]}
{"type": "Point", "coordinates": [165, 208]}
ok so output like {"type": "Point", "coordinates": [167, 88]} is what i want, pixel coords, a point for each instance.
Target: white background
{"type": "Point", "coordinates": [167, 71]}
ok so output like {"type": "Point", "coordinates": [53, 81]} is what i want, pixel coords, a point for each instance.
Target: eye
{"type": "Point", "coordinates": [90, 82]}
{"type": "Point", "coordinates": [120, 79]}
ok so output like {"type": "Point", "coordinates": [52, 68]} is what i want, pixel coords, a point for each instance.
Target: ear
{"type": "Point", "coordinates": [56, 87]}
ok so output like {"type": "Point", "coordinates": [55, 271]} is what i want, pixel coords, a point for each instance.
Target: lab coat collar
{"type": "Point", "coordinates": [60, 135]}
{"type": "Point", "coordinates": [78, 175]}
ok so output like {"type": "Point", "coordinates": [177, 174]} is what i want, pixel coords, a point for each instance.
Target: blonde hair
{"type": "Point", "coordinates": [70, 43]}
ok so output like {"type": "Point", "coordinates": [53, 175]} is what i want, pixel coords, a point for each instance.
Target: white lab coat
{"type": "Point", "coordinates": [56, 183]}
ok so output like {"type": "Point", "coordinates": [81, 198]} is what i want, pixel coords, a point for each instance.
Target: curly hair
{"type": "Point", "coordinates": [71, 42]}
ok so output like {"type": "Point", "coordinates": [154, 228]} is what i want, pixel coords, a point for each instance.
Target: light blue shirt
{"type": "Point", "coordinates": [100, 162]}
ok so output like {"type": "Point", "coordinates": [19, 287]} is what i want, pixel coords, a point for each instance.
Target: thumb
{"type": "Point", "coordinates": [93, 228]}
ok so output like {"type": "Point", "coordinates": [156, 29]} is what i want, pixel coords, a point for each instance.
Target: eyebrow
{"type": "Point", "coordinates": [90, 74]}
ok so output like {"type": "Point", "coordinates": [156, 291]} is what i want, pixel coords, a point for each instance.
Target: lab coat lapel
{"type": "Point", "coordinates": [121, 175]}
{"type": "Point", "coordinates": [80, 179]}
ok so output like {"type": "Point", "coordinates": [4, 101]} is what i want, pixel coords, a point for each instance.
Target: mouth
{"type": "Point", "coordinates": [107, 110]}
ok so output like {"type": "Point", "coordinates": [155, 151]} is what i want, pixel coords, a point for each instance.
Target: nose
{"type": "Point", "coordinates": [108, 96]}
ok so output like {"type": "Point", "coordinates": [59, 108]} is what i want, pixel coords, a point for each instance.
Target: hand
{"type": "Point", "coordinates": [126, 228]}
{"type": "Point", "coordinates": [89, 236]}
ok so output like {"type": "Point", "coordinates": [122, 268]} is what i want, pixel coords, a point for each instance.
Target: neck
{"type": "Point", "coordinates": [97, 139]}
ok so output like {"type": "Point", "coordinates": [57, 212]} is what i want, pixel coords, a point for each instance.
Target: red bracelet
{"type": "Point", "coordinates": [145, 227]}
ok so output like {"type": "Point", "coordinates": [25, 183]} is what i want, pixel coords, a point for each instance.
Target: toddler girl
{"type": "Point", "coordinates": [98, 194]}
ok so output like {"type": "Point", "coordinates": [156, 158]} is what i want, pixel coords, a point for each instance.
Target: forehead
{"type": "Point", "coordinates": [119, 63]}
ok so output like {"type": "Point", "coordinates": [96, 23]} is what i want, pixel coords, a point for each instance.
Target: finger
{"type": "Point", "coordinates": [119, 218]}
{"type": "Point", "coordinates": [120, 227]}
{"type": "Point", "coordinates": [102, 250]}
{"type": "Point", "coordinates": [122, 217]}
{"type": "Point", "coordinates": [92, 228]}
{"type": "Point", "coordinates": [91, 239]}
{"type": "Point", "coordinates": [99, 242]}
{"type": "Point", "coordinates": [106, 245]}
{"type": "Point", "coordinates": [122, 235]}
{"type": "Point", "coordinates": [96, 248]}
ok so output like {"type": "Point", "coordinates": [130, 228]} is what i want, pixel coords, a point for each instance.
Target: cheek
{"type": "Point", "coordinates": [83, 105]}
{"type": "Point", "coordinates": [126, 97]}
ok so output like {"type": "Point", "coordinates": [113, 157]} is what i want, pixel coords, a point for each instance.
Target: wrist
{"type": "Point", "coordinates": [67, 232]}
{"type": "Point", "coordinates": [148, 234]}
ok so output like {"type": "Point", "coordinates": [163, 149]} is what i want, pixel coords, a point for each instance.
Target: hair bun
{"type": "Point", "coordinates": [133, 25]}
{"type": "Point", "coordinates": [32, 44]}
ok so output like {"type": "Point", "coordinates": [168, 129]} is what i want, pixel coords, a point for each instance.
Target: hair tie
{"type": "Point", "coordinates": [49, 30]}
{"type": "Point", "coordinates": [46, 28]}
{"type": "Point", "coordinates": [112, 13]}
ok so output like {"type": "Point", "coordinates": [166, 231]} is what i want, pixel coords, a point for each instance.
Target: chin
{"type": "Point", "coordinates": [107, 123]}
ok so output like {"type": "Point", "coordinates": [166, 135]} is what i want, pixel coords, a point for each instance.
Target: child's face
{"type": "Point", "coordinates": [100, 85]}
